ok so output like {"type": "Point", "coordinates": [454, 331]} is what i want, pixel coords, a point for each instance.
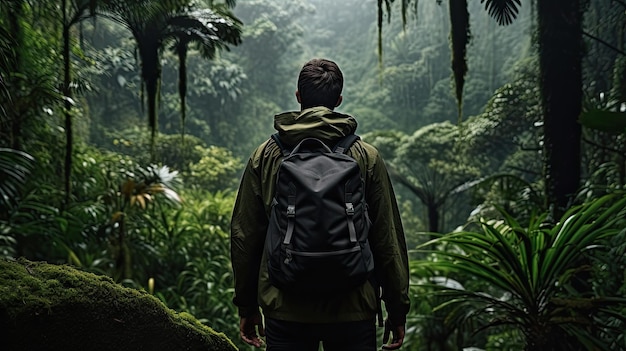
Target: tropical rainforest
{"type": "Point", "coordinates": [125, 126]}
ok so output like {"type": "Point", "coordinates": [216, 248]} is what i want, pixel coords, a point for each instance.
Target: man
{"type": "Point", "coordinates": [340, 322]}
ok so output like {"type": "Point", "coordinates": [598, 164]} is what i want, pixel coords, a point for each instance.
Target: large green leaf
{"type": "Point", "coordinates": [15, 166]}
{"type": "Point", "coordinates": [606, 121]}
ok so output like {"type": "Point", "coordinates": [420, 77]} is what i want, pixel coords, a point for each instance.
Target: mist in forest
{"type": "Point", "coordinates": [405, 86]}
{"type": "Point", "coordinates": [410, 84]}
{"type": "Point", "coordinates": [399, 85]}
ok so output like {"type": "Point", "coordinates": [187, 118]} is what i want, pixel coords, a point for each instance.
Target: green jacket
{"type": "Point", "coordinates": [250, 220]}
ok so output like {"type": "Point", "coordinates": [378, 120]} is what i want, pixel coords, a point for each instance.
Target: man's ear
{"type": "Point", "coordinates": [339, 101]}
{"type": "Point", "coordinates": [298, 96]}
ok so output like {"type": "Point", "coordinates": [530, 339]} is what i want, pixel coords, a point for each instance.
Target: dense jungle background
{"type": "Point", "coordinates": [125, 125]}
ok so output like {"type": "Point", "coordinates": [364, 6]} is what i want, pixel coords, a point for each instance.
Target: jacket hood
{"type": "Point", "coordinates": [317, 122]}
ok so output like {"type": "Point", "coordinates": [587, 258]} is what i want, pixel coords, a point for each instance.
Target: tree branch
{"type": "Point", "coordinates": [605, 43]}
{"type": "Point", "coordinates": [602, 147]}
{"type": "Point", "coordinates": [620, 2]}
{"type": "Point", "coordinates": [523, 170]}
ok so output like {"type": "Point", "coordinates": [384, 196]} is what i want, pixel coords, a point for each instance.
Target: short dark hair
{"type": "Point", "coordinates": [320, 84]}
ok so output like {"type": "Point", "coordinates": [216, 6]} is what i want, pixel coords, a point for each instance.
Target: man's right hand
{"type": "Point", "coordinates": [248, 327]}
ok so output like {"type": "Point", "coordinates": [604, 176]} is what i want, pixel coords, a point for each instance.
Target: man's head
{"type": "Point", "coordinates": [320, 84]}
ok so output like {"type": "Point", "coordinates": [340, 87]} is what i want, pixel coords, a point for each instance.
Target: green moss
{"type": "Point", "coordinates": [53, 307]}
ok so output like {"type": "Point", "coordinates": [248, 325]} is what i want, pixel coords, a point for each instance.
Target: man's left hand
{"type": "Point", "coordinates": [397, 336]}
{"type": "Point", "coordinates": [248, 327]}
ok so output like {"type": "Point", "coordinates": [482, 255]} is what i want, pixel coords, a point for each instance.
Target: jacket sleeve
{"type": "Point", "coordinates": [247, 239]}
{"type": "Point", "coordinates": [388, 242]}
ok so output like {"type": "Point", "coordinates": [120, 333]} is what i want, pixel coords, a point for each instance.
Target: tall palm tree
{"type": "Point", "coordinates": [155, 24]}
{"type": "Point", "coordinates": [415, 168]}
{"type": "Point", "coordinates": [73, 12]}
{"type": "Point", "coordinates": [431, 189]}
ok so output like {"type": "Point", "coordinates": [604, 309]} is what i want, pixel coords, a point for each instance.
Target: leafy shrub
{"type": "Point", "coordinates": [537, 279]}
{"type": "Point", "coordinates": [216, 171]}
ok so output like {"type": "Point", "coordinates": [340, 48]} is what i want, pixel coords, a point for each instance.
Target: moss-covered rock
{"type": "Point", "coordinates": [57, 307]}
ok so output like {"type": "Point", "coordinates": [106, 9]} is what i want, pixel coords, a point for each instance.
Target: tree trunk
{"type": "Point", "coordinates": [151, 75]}
{"type": "Point", "coordinates": [67, 94]}
{"type": "Point", "coordinates": [459, 38]}
{"type": "Point", "coordinates": [560, 61]}
{"type": "Point", "coordinates": [433, 217]}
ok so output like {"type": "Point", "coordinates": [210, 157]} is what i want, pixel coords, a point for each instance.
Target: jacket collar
{"type": "Point", "coordinates": [317, 122]}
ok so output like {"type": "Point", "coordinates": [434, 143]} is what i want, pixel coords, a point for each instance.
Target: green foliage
{"type": "Point", "coordinates": [134, 195]}
{"type": "Point", "coordinates": [113, 104]}
{"type": "Point", "coordinates": [538, 277]}
{"type": "Point", "coordinates": [372, 120]}
{"type": "Point", "coordinates": [428, 165]}
{"type": "Point", "coordinates": [439, 104]}
{"type": "Point", "coordinates": [183, 247]}
{"type": "Point", "coordinates": [506, 192]}
{"type": "Point", "coordinates": [216, 89]}
{"type": "Point", "coordinates": [271, 44]}
{"type": "Point", "coordinates": [387, 142]}
{"type": "Point", "coordinates": [15, 167]}
{"type": "Point", "coordinates": [175, 151]}
{"type": "Point", "coordinates": [216, 171]}
{"type": "Point", "coordinates": [619, 79]}
{"type": "Point", "coordinates": [28, 78]}
{"type": "Point", "coordinates": [509, 123]}
{"type": "Point", "coordinates": [210, 168]}
{"type": "Point", "coordinates": [191, 258]}
{"type": "Point", "coordinates": [155, 24]}
{"type": "Point", "coordinates": [37, 224]}
{"type": "Point", "coordinates": [6, 52]}
{"type": "Point", "coordinates": [605, 120]}
{"type": "Point", "coordinates": [504, 144]}
{"type": "Point", "coordinates": [503, 11]}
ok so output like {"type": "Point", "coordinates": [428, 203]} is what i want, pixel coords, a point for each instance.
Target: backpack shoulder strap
{"type": "Point", "coordinates": [282, 147]}
{"type": "Point", "coordinates": [345, 142]}
{"type": "Point", "coordinates": [341, 147]}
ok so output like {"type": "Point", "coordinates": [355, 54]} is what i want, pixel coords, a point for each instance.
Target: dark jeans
{"type": "Point", "coordinates": [290, 336]}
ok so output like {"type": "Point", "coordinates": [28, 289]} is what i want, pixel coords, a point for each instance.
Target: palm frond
{"type": "Point", "coordinates": [210, 30]}
{"type": "Point", "coordinates": [15, 166]}
{"type": "Point", "coordinates": [504, 11]}
{"type": "Point", "coordinates": [157, 23]}
{"type": "Point", "coordinates": [7, 53]}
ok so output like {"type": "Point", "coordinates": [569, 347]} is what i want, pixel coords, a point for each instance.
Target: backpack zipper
{"type": "Point", "coordinates": [291, 253]}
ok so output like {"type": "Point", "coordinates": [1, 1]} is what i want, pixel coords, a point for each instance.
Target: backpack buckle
{"type": "Point", "coordinates": [291, 211]}
{"type": "Point", "coordinates": [349, 209]}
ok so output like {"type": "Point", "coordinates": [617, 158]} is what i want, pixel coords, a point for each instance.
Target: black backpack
{"type": "Point", "coordinates": [317, 235]}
